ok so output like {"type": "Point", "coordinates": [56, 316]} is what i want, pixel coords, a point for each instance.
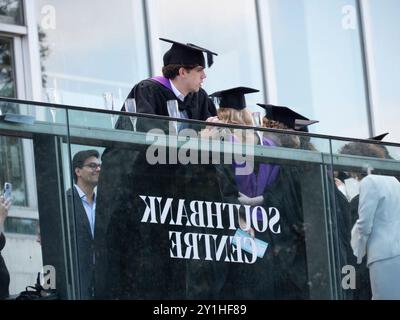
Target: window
{"type": "Point", "coordinates": [382, 33]}
{"type": "Point", "coordinates": [315, 63]}
{"type": "Point", "coordinates": [7, 76]}
{"type": "Point", "coordinates": [21, 226]}
{"type": "Point", "coordinates": [11, 12]}
{"type": "Point", "coordinates": [233, 26]}
{"type": "Point", "coordinates": [89, 48]}
{"type": "Point", "coordinates": [11, 153]}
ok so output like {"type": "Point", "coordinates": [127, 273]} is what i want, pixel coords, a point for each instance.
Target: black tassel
{"type": "Point", "coordinates": [210, 59]}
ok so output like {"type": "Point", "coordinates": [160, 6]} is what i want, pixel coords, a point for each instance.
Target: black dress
{"type": "Point", "coordinates": [133, 258]}
{"type": "Point", "coordinates": [290, 260]}
{"type": "Point", "coordinates": [4, 275]}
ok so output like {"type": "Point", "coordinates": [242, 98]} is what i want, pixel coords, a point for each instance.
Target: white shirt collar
{"type": "Point", "coordinates": [82, 194]}
{"type": "Point", "coordinates": [178, 94]}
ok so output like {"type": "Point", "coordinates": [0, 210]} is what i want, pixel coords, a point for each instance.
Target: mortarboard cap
{"type": "Point", "coordinates": [286, 116]}
{"type": "Point", "coordinates": [187, 54]}
{"type": "Point", "coordinates": [300, 124]}
{"type": "Point", "coordinates": [233, 98]}
{"type": "Point", "coordinates": [379, 137]}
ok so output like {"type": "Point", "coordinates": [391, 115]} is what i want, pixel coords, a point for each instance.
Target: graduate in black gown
{"type": "Point", "coordinates": [244, 187]}
{"type": "Point", "coordinates": [133, 258]}
{"type": "Point", "coordinates": [183, 75]}
{"type": "Point", "coordinates": [290, 259]}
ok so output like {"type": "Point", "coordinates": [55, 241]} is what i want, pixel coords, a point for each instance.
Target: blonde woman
{"type": "Point", "coordinates": [232, 110]}
{"type": "Point", "coordinates": [246, 187]}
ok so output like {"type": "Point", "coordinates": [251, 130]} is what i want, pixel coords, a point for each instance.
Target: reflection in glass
{"type": "Point", "coordinates": [21, 225]}
{"type": "Point", "coordinates": [7, 80]}
{"type": "Point", "coordinates": [226, 35]}
{"type": "Point", "coordinates": [73, 50]}
{"type": "Point", "coordinates": [324, 79]}
{"type": "Point", "coordinates": [11, 151]}
{"type": "Point", "coordinates": [12, 168]}
{"type": "Point", "coordinates": [381, 29]}
{"type": "Point", "coordinates": [11, 12]}
{"type": "Point", "coordinates": [53, 96]}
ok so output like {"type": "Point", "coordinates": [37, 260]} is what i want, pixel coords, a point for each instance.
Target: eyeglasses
{"type": "Point", "coordinates": [92, 165]}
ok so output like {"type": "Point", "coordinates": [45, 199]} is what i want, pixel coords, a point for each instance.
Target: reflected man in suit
{"type": "Point", "coordinates": [82, 198]}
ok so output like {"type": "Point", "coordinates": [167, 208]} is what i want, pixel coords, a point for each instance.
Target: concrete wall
{"type": "Point", "coordinates": [23, 256]}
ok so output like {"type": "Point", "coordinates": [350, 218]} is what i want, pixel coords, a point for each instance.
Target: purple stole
{"type": "Point", "coordinates": [166, 83]}
{"type": "Point", "coordinates": [163, 81]}
{"type": "Point", "coordinates": [255, 184]}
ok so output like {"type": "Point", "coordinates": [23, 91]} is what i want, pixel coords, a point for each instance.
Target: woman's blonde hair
{"type": "Point", "coordinates": [233, 116]}
{"type": "Point", "coordinates": [239, 117]}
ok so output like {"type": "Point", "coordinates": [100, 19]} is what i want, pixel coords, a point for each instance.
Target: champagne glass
{"type": "Point", "coordinates": [173, 112]}
{"type": "Point", "coordinates": [53, 97]}
{"type": "Point", "coordinates": [257, 121]}
{"type": "Point", "coordinates": [130, 106]}
{"type": "Point", "coordinates": [216, 101]}
{"type": "Point", "coordinates": [109, 105]}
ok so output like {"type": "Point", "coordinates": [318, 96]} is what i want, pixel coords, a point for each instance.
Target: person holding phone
{"type": "Point", "coordinates": [5, 204]}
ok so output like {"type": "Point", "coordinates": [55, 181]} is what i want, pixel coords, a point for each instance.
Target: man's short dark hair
{"type": "Point", "coordinates": [364, 150]}
{"type": "Point", "coordinates": [80, 158]}
{"type": "Point", "coordinates": [171, 71]}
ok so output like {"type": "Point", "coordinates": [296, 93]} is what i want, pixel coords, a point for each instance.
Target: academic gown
{"type": "Point", "coordinates": [4, 275]}
{"type": "Point", "coordinates": [342, 234]}
{"type": "Point", "coordinates": [133, 258]}
{"type": "Point", "coordinates": [204, 278]}
{"type": "Point", "coordinates": [290, 271]}
{"type": "Point", "coordinates": [151, 97]}
{"type": "Point", "coordinates": [250, 281]}
{"type": "Point", "coordinates": [219, 279]}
